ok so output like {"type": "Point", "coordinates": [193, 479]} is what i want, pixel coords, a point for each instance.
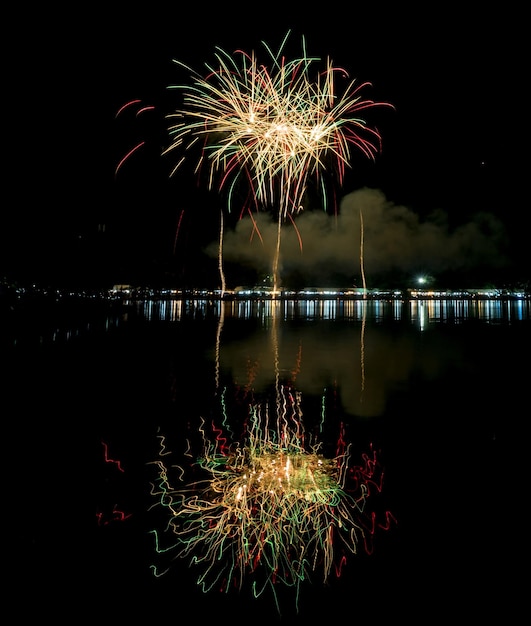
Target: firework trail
{"type": "Point", "coordinates": [271, 127]}
{"type": "Point", "coordinates": [140, 108]}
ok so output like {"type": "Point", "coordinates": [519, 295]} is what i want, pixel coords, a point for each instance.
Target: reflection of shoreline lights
{"type": "Point", "coordinates": [457, 310]}
{"type": "Point", "coordinates": [271, 509]}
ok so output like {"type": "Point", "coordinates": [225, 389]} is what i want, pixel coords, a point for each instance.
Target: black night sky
{"type": "Point", "coordinates": [451, 164]}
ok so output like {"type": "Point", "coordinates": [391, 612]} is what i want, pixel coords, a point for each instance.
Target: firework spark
{"type": "Point", "coordinates": [140, 109]}
{"type": "Point", "coordinates": [272, 126]}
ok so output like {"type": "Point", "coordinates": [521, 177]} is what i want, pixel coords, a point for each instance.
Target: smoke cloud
{"type": "Point", "coordinates": [318, 246]}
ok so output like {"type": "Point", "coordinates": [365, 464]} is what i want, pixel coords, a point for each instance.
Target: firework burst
{"type": "Point", "coordinates": [272, 126]}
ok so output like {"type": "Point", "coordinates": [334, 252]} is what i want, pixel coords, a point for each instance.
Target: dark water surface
{"type": "Point", "coordinates": [438, 391]}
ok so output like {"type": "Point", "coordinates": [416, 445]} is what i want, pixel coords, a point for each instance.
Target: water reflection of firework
{"type": "Point", "coordinates": [269, 508]}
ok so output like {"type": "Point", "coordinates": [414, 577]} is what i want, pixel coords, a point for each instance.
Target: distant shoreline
{"type": "Point", "coordinates": [317, 294]}
{"type": "Point", "coordinates": [53, 296]}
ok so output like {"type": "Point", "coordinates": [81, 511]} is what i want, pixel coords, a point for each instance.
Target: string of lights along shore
{"type": "Point", "coordinates": [271, 128]}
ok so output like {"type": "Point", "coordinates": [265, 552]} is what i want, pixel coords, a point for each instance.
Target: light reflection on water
{"type": "Point", "coordinates": [418, 312]}
{"type": "Point", "coordinates": [366, 349]}
{"type": "Point", "coordinates": [439, 387]}
{"type": "Point", "coordinates": [32, 326]}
